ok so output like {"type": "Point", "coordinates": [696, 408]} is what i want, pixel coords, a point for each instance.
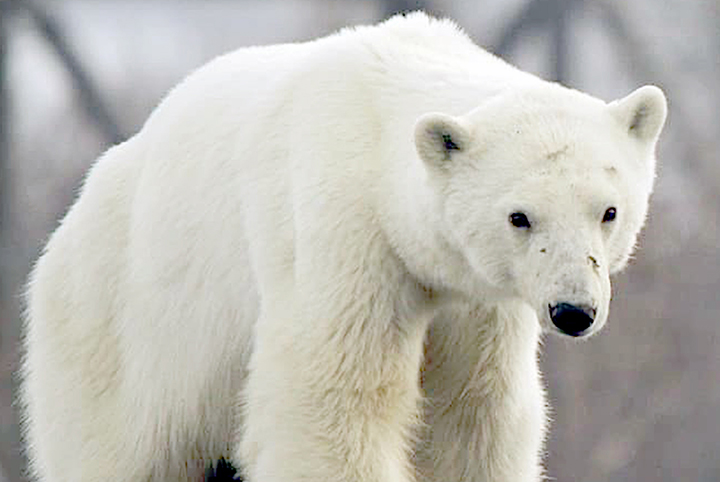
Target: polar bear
{"type": "Point", "coordinates": [333, 261]}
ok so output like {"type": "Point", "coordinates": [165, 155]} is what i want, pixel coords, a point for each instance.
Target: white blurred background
{"type": "Point", "coordinates": [639, 402]}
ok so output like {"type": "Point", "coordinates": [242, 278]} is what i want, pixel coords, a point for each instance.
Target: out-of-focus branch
{"type": "Point", "coordinates": [391, 7]}
{"type": "Point", "coordinates": [6, 184]}
{"type": "Point", "coordinates": [9, 324]}
{"type": "Point", "coordinates": [644, 66]}
{"type": "Point", "coordinates": [559, 26]}
{"type": "Point", "coordinates": [4, 117]}
{"type": "Point", "coordinates": [89, 95]}
{"type": "Point", "coordinates": [536, 15]}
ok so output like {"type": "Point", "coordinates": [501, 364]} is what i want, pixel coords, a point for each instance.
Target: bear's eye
{"type": "Point", "coordinates": [519, 220]}
{"type": "Point", "coordinates": [610, 214]}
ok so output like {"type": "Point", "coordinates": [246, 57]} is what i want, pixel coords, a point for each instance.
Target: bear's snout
{"type": "Point", "coordinates": [571, 319]}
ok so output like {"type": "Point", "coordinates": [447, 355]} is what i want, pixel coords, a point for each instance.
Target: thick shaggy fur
{"type": "Point", "coordinates": [303, 263]}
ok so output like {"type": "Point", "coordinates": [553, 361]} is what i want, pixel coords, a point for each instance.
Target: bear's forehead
{"type": "Point", "coordinates": [572, 163]}
{"type": "Point", "coordinates": [562, 162]}
{"type": "Point", "coordinates": [559, 134]}
{"type": "Point", "coordinates": [569, 142]}
{"type": "Point", "coordinates": [560, 154]}
{"type": "Point", "coordinates": [551, 132]}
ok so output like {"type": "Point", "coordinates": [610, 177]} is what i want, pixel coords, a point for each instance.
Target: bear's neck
{"type": "Point", "coordinates": [413, 224]}
{"type": "Point", "coordinates": [490, 350]}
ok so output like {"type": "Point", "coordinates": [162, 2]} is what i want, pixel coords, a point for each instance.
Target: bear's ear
{"type": "Point", "coordinates": [438, 137]}
{"type": "Point", "coordinates": [642, 113]}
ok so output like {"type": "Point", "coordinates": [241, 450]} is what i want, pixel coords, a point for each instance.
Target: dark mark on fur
{"type": "Point", "coordinates": [594, 262]}
{"type": "Point", "coordinates": [554, 156]}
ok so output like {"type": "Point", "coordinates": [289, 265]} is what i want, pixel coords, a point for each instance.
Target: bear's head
{"type": "Point", "coordinates": [542, 193]}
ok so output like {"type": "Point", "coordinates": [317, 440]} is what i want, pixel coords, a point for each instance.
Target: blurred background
{"type": "Point", "coordinates": [639, 402]}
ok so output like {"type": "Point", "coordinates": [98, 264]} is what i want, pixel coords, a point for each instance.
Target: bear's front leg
{"type": "Point", "coordinates": [333, 390]}
{"type": "Point", "coordinates": [485, 407]}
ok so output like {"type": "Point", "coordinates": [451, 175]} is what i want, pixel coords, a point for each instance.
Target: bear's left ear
{"type": "Point", "coordinates": [642, 113]}
{"type": "Point", "coordinates": [438, 137]}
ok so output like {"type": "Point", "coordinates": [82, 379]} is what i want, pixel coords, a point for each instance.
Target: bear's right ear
{"type": "Point", "coordinates": [438, 137]}
{"type": "Point", "coordinates": [642, 113]}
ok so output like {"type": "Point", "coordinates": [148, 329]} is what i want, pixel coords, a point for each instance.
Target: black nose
{"type": "Point", "coordinates": [572, 320]}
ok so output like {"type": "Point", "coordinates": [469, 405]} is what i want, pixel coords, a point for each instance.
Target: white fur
{"type": "Point", "coordinates": [266, 270]}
